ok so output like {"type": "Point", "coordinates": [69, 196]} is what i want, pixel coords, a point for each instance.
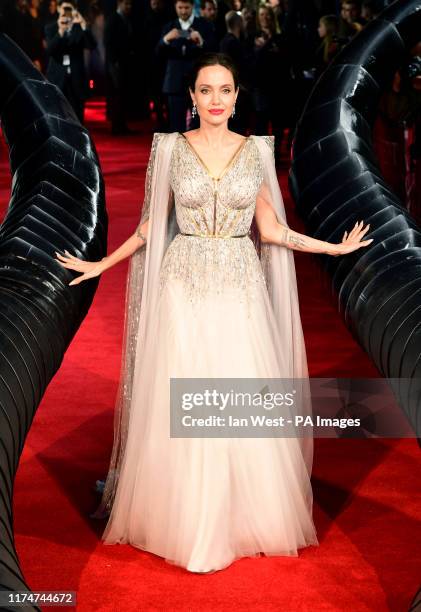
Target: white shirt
{"type": "Point", "coordinates": [66, 58]}
{"type": "Point", "coordinates": [185, 25]}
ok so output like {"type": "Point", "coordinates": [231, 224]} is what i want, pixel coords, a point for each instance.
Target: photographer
{"type": "Point", "coordinates": [66, 40]}
{"type": "Point", "coordinates": [182, 40]}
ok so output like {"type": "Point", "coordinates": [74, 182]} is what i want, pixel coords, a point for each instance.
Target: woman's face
{"type": "Point", "coordinates": [322, 29]}
{"type": "Point", "coordinates": [22, 5]}
{"type": "Point", "coordinates": [264, 19]}
{"type": "Point", "coordinates": [249, 16]}
{"type": "Point", "coordinates": [214, 91]}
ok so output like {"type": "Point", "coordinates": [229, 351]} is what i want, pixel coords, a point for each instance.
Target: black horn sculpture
{"type": "Point", "coordinates": [57, 202]}
{"type": "Point", "coordinates": [335, 181]}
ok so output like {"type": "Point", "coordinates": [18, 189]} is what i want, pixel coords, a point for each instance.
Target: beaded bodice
{"type": "Point", "coordinates": [209, 206]}
{"type": "Point", "coordinates": [214, 211]}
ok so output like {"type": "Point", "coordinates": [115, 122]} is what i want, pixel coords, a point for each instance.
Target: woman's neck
{"type": "Point", "coordinates": [213, 136]}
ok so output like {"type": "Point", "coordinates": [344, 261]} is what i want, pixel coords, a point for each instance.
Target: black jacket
{"type": "Point", "coordinates": [118, 40]}
{"type": "Point", "coordinates": [181, 53]}
{"type": "Point", "coordinates": [236, 49]}
{"type": "Point", "coordinates": [272, 66]}
{"type": "Point", "coordinates": [73, 45]}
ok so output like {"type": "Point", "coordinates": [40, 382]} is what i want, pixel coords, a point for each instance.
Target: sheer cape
{"type": "Point", "coordinates": [142, 294]}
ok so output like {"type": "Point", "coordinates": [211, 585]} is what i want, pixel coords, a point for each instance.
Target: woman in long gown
{"type": "Point", "coordinates": [212, 295]}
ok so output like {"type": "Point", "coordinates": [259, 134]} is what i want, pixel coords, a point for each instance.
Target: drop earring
{"type": "Point", "coordinates": [233, 110]}
{"type": "Point", "coordinates": [194, 111]}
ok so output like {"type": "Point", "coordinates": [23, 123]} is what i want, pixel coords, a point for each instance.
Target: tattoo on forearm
{"type": "Point", "coordinates": [140, 234]}
{"type": "Point", "coordinates": [297, 241]}
{"type": "Point", "coordinates": [290, 238]}
{"type": "Point", "coordinates": [285, 235]}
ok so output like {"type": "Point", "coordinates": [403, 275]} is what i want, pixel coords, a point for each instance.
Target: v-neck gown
{"type": "Point", "coordinates": [201, 503]}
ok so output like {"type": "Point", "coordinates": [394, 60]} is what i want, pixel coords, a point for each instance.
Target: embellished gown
{"type": "Point", "coordinates": [201, 503]}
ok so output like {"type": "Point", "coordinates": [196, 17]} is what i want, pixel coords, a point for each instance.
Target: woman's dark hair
{"type": "Point", "coordinates": [213, 59]}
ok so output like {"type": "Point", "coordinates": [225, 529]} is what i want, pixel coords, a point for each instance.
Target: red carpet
{"type": "Point", "coordinates": [367, 501]}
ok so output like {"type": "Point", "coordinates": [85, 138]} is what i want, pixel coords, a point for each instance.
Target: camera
{"type": "Point", "coordinates": [67, 15]}
{"type": "Point", "coordinates": [184, 33]}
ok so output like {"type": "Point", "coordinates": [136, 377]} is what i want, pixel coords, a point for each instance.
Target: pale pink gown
{"type": "Point", "coordinates": [201, 503]}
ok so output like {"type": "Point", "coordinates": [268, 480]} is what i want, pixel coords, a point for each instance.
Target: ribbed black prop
{"type": "Point", "coordinates": [416, 603]}
{"type": "Point", "coordinates": [57, 202]}
{"type": "Point", "coordinates": [335, 181]}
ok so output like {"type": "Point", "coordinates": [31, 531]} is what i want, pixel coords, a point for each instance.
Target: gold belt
{"type": "Point", "coordinates": [215, 235]}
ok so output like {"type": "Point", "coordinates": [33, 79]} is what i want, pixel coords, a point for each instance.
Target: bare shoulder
{"type": "Point", "coordinates": [237, 138]}
{"type": "Point", "coordinates": [190, 134]}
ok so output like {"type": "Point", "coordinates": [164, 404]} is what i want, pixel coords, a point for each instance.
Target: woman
{"type": "Point", "coordinates": [37, 52]}
{"type": "Point", "coordinates": [273, 85]}
{"type": "Point", "coordinates": [280, 11]}
{"type": "Point", "coordinates": [329, 45]}
{"type": "Point", "coordinates": [201, 303]}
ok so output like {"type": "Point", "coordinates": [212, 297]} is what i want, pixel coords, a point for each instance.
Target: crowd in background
{"type": "Point", "coordinates": [138, 53]}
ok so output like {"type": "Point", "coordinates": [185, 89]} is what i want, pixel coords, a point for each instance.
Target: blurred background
{"type": "Point", "coordinates": [129, 60]}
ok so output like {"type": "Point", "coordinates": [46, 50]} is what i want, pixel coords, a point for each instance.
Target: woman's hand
{"type": "Point", "coordinates": [89, 269]}
{"type": "Point", "coordinates": [351, 242]}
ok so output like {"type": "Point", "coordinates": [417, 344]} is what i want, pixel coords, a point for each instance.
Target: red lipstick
{"type": "Point", "coordinates": [216, 111]}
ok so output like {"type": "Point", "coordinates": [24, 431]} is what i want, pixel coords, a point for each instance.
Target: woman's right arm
{"type": "Point", "coordinates": [90, 269]}
{"type": "Point", "coordinates": [127, 248]}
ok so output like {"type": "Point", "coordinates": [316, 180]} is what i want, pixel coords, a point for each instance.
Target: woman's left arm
{"type": "Point", "coordinates": [271, 231]}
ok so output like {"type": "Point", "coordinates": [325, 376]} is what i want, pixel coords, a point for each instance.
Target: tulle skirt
{"type": "Point", "coordinates": [201, 503]}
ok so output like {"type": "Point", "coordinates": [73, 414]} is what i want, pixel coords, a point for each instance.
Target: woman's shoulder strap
{"type": "Point", "coordinates": [269, 140]}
